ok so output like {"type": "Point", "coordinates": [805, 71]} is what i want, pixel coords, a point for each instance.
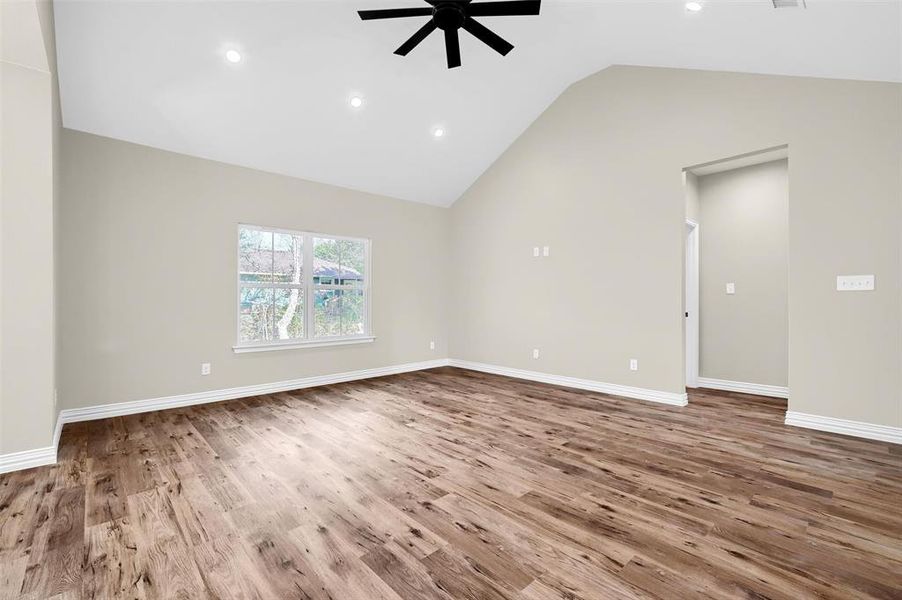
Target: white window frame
{"type": "Point", "coordinates": [309, 289]}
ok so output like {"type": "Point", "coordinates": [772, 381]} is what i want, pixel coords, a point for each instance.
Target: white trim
{"type": "Point", "coordinates": [47, 456]}
{"type": "Point", "coordinates": [758, 389]}
{"type": "Point", "coordinates": [742, 160]}
{"type": "Point", "coordinates": [319, 234]}
{"type": "Point", "coordinates": [58, 430]}
{"type": "Point", "coordinates": [27, 459]}
{"type": "Point", "coordinates": [691, 325]}
{"type": "Point", "coordinates": [883, 433]}
{"type": "Point", "coordinates": [73, 415]}
{"type": "Point", "coordinates": [674, 399]}
{"type": "Point", "coordinates": [366, 339]}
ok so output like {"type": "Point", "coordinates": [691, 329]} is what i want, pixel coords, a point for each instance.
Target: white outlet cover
{"type": "Point", "coordinates": [432, 345]}
{"type": "Point", "coordinates": [205, 368]}
{"type": "Point", "coordinates": [546, 251]}
{"type": "Point", "coordinates": [535, 251]}
{"type": "Point", "coordinates": [535, 353]}
{"type": "Point", "coordinates": [731, 288]}
{"type": "Point", "coordinates": [854, 283]}
{"type": "Point", "coordinates": [634, 364]}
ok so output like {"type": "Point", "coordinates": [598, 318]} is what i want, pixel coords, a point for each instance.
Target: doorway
{"type": "Point", "coordinates": [735, 279]}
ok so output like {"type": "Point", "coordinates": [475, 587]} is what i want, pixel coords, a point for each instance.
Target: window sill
{"type": "Point", "coordinates": [365, 339]}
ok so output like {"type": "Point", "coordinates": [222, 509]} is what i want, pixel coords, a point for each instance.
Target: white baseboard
{"type": "Point", "coordinates": [674, 399]}
{"type": "Point", "coordinates": [16, 461]}
{"type": "Point", "coordinates": [46, 456]}
{"type": "Point", "coordinates": [104, 411]}
{"type": "Point", "coordinates": [883, 433]}
{"type": "Point", "coordinates": [758, 389]}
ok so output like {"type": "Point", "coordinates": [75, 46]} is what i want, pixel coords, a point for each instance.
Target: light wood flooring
{"type": "Point", "coordinates": [449, 484]}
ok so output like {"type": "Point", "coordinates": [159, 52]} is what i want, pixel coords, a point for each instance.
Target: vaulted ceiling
{"type": "Point", "coordinates": [154, 73]}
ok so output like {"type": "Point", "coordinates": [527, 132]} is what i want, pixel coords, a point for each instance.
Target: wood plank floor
{"type": "Point", "coordinates": [450, 484]}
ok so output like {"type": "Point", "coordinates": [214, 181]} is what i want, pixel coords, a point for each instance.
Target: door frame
{"type": "Point", "coordinates": [691, 346]}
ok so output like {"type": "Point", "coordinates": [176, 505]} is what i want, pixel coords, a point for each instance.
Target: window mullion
{"type": "Point", "coordinates": [308, 287]}
{"type": "Point", "coordinates": [272, 279]}
{"type": "Point", "coordinates": [340, 294]}
{"type": "Point", "coordinates": [265, 285]}
{"type": "Point", "coordinates": [330, 286]}
{"type": "Point", "coordinates": [283, 286]}
{"type": "Point", "coordinates": [367, 296]}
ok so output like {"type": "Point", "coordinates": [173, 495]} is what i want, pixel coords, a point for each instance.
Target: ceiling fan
{"type": "Point", "coordinates": [451, 15]}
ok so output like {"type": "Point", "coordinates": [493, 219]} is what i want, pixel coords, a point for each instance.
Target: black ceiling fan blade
{"type": "Point", "coordinates": [488, 37]}
{"type": "Point", "coordinates": [503, 9]}
{"type": "Point", "coordinates": [394, 13]}
{"type": "Point", "coordinates": [416, 38]}
{"type": "Point", "coordinates": [452, 47]}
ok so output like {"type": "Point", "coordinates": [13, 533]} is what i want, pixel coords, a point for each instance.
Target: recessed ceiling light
{"type": "Point", "coordinates": [356, 101]}
{"type": "Point", "coordinates": [233, 56]}
{"type": "Point", "coordinates": [438, 132]}
{"type": "Point", "coordinates": [694, 6]}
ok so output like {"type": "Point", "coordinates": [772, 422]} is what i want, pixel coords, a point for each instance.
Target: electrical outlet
{"type": "Point", "coordinates": [634, 364]}
{"type": "Point", "coordinates": [535, 251]}
{"type": "Point", "coordinates": [546, 251]}
{"type": "Point", "coordinates": [432, 345]}
{"type": "Point", "coordinates": [854, 283]}
{"type": "Point", "coordinates": [535, 353]}
{"type": "Point", "coordinates": [205, 368]}
{"type": "Point", "coordinates": [731, 288]}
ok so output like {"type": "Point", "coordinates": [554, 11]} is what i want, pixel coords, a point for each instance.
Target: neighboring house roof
{"type": "Point", "coordinates": [258, 261]}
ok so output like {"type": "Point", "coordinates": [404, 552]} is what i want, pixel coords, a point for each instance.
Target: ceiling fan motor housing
{"type": "Point", "coordinates": [449, 15]}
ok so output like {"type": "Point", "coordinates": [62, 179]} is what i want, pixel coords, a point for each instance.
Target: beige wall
{"type": "Point", "coordinates": [148, 272]}
{"type": "Point", "coordinates": [28, 120]}
{"type": "Point", "coordinates": [146, 269]}
{"type": "Point", "coordinates": [598, 177]}
{"type": "Point", "coordinates": [744, 239]}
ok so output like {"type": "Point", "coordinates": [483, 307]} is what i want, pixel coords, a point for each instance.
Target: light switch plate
{"type": "Point", "coordinates": [535, 251]}
{"type": "Point", "coordinates": [731, 288]}
{"type": "Point", "coordinates": [854, 283]}
{"type": "Point", "coordinates": [546, 251]}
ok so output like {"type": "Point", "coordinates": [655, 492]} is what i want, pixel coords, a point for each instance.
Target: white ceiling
{"type": "Point", "coordinates": [153, 73]}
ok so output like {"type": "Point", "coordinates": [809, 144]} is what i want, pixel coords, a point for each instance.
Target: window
{"type": "Point", "coordinates": [301, 289]}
